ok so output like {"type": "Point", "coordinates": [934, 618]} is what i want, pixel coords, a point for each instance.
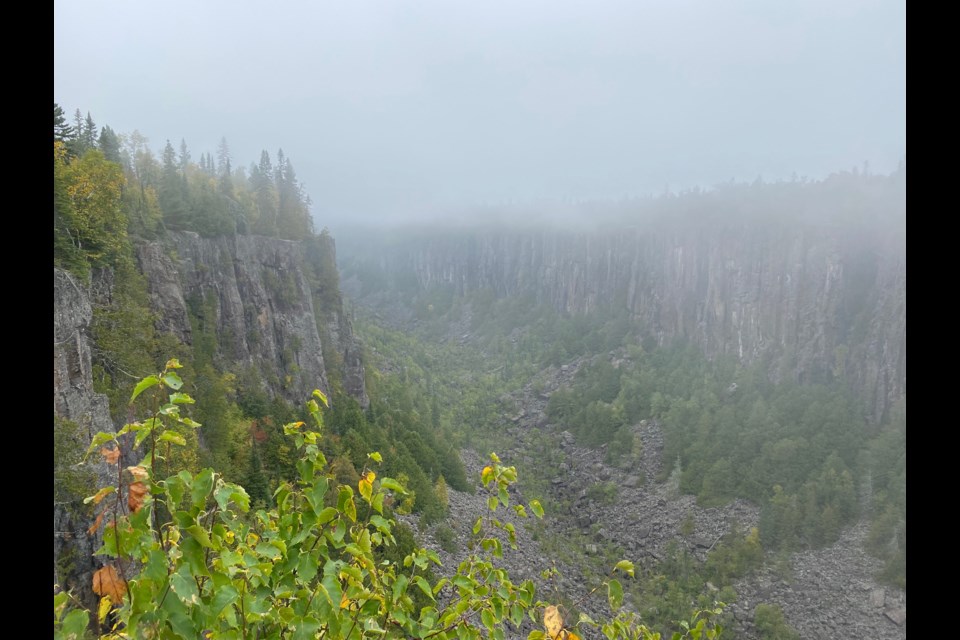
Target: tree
{"type": "Point", "coordinates": [172, 201]}
{"type": "Point", "coordinates": [89, 133]}
{"type": "Point", "coordinates": [109, 144]}
{"type": "Point", "coordinates": [87, 205]}
{"type": "Point", "coordinates": [62, 131]}
{"type": "Point", "coordinates": [184, 156]}
{"type": "Point", "coordinates": [77, 145]}
{"type": "Point", "coordinates": [265, 195]}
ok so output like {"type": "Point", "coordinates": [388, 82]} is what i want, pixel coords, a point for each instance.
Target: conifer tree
{"type": "Point", "coordinates": [62, 131]}
{"type": "Point", "coordinates": [110, 144]}
{"type": "Point", "coordinates": [89, 132]}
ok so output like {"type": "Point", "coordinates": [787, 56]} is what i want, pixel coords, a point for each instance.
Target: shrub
{"type": "Point", "coordinates": [187, 559]}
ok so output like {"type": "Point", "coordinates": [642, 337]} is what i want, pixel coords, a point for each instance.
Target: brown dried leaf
{"type": "Point", "coordinates": [553, 622]}
{"type": "Point", "coordinates": [139, 473]}
{"type": "Point", "coordinates": [112, 456]}
{"type": "Point", "coordinates": [106, 582]}
{"type": "Point", "coordinates": [96, 524]}
{"type": "Point", "coordinates": [135, 495]}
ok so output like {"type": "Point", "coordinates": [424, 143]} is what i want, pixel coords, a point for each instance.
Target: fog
{"type": "Point", "coordinates": [391, 110]}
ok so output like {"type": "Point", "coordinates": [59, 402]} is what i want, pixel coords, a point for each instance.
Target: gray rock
{"type": "Point", "coordinates": [896, 616]}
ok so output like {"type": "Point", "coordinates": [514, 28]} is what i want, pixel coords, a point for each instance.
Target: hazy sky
{"type": "Point", "coordinates": [417, 106]}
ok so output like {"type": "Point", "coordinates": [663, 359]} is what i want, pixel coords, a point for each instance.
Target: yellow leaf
{"type": "Point", "coordinates": [553, 622]}
{"type": "Point", "coordinates": [486, 474]}
{"type": "Point", "coordinates": [104, 608]}
{"type": "Point", "coordinates": [366, 484]}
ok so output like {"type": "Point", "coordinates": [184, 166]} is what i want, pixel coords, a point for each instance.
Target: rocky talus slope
{"type": "Point", "coordinates": [827, 593]}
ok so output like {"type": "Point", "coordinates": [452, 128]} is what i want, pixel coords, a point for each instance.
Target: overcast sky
{"type": "Point", "coordinates": [413, 107]}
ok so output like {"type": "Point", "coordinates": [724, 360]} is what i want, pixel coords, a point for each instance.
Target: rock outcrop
{"type": "Point", "coordinates": [257, 294]}
{"type": "Point", "coordinates": [74, 400]}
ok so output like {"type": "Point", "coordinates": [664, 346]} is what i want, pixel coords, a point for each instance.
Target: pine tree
{"type": "Point", "coordinates": [223, 156]}
{"type": "Point", "coordinates": [223, 163]}
{"type": "Point", "coordinates": [61, 130]}
{"type": "Point", "coordinates": [77, 144]}
{"type": "Point", "coordinates": [184, 156]}
{"type": "Point", "coordinates": [293, 218]}
{"type": "Point", "coordinates": [172, 202]}
{"type": "Point", "coordinates": [265, 196]}
{"type": "Point", "coordinates": [89, 132]}
{"type": "Point", "coordinates": [110, 144]}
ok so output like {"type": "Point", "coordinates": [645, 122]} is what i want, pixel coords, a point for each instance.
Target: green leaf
{"type": "Point", "coordinates": [143, 385]}
{"type": "Point", "coordinates": [229, 492]}
{"type": "Point", "coordinates": [350, 508]}
{"type": "Point", "coordinates": [536, 508]}
{"type": "Point", "coordinates": [181, 398]}
{"type": "Point", "coordinates": [172, 380]}
{"type": "Point", "coordinates": [400, 586]}
{"type": "Point", "coordinates": [615, 594]}
{"type": "Point", "coordinates": [326, 515]}
{"type": "Point", "coordinates": [375, 456]}
{"type": "Point", "coordinates": [478, 525]}
{"type": "Point", "coordinates": [174, 437]}
{"type": "Point", "coordinates": [536, 634]}
{"type": "Point", "coordinates": [626, 566]}
{"type": "Point", "coordinates": [202, 484]}
{"type": "Point", "coordinates": [224, 596]}
{"type": "Point", "coordinates": [200, 534]}
{"type": "Point", "coordinates": [75, 623]}
{"type": "Point", "coordinates": [173, 363]}
{"type": "Point", "coordinates": [393, 485]}
{"type": "Point", "coordinates": [492, 503]}
{"type": "Point", "coordinates": [99, 439]}
{"type": "Point", "coordinates": [305, 628]}
{"type": "Point", "coordinates": [487, 618]}
{"type": "Point", "coordinates": [185, 587]}
{"type": "Point", "coordinates": [424, 586]}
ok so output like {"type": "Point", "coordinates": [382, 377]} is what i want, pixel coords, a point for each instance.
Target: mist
{"type": "Point", "coordinates": [395, 111]}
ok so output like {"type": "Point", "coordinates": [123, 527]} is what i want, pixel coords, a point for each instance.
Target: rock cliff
{"type": "Point", "coordinates": [264, 309]}
{"type": "Point", "coordinates": [74, 403]}
{"type": "Point", "coordinates": [816, 301]}
{"type": "Point", "coordinates": [263, 306]}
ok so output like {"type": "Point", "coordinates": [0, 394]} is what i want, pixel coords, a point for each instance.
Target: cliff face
{"type": "Point", "coordinates": [256, 294]}
{"type": "Point", "coordinates": [815, 301]}
{"type": "Point", "coordinates": [74, 400]}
